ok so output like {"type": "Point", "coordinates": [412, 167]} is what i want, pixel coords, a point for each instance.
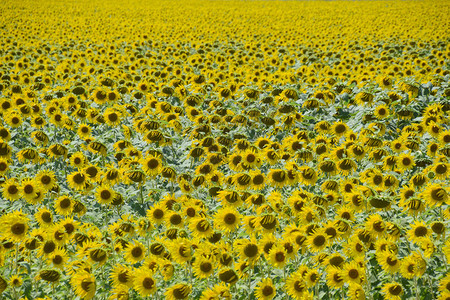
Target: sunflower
{"type": "Point", "coordinates": [405, 161]}
{"type": "Point", "coordinates": [156, 213]}
{"type": "Point", "coordinates": [392, 291]}
{"type": "Point", "coordinates": [229, 198]}
{"type": "Point", "coordinates": [258, 180]}
{"type": "Point", "coordinates": [227, 219]}
{"type": "Point", "coordinates": [63, 205]}
{"type": "Point", "coordinates": [356, 292]}
{"type": "Point", "coordinates": [135, 252]}
{"type": "Point", "coordinates": [141, 279]}
{"type": "Point", "coordinates": [441, 170]}
{"type": "Point", "coordinates": [328, 167]}
{"type": "Point", "coordinates": [241, 181]}
{"type": "Point", "coordinates": [296, 287]}
{"type": "Point", "coordinates": [248, 249]}
{"type": "Point", "coordinates": [84, 284]}
{"type": "Point", "coordinates": [435, 194]}
{"type": "Point", "coordinates": [178, 292]}
{"type": "Point", "coordinates": [44, 217]}
{"type": "Point", "coordinates": [334, 277]}
{"type": "Point", "coordinates": [418, 231]}
{"type": "Point", "coordinates": [58, 258]}
{"type": "Point", "coordinates": [4, 166]}
{"type": "Point", "coordinates": [307, 175]}
{"type": "Point", "coordinates": [203, 267]}
{"type": "Point", "coordinates": [14, 226]}
{"type": "Point", "coordinates": [104, 194]}
{"type": "Point", "coordinates": [201, 227]}
{"type": "Point", "coordinates": [339, 128]}
{"type": "Point", "coordinates": [353, 273]}
{"type": "Point", "coordinates": [77, 180]}
{"type": "Point", "coordinates": [388, 261]}
{"type": "Point", "coordinates": [375, 225]}
{"type": "Point", "coordinates": [265, 289]}
{"type": "Point", "coordinates": [318, 240]}
{"type": "Point", "coordinates": [278, 256]}
{"type": "Point", "coordinates": [30, 190]}
{"type": "Point", "coordinates": [11, 189]}
{"type": "Point", "coordinates": [151, 165]}
{"type": "Point", "coordinates": [181, 250]}
{"type": "Point", "coordinates": [278, 177]}
{"type": "Point", "coordinates": [381, 112]}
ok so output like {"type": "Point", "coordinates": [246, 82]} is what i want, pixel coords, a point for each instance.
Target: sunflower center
{"type": "Point", "coordinates": [230, 218]}
{"type": "Point", "coordinates": [123, 276]}
{"type": "Point", "coordinates": [84, 129]}
{"type": "Point", "coordinates": [49, 247]}
{"type": "Point", "coordinates": [181, 293]}
{"type": "Point", "coordinates": [377, 179]}
{"type": "Point", "coordinates": [69, 228]}
{"type": "Point", "coordinates": [327, 166]}
{"type": "Point", "coordinates": [258, 179]}
{"type": "Point", "coordinates": [28, 189]}
{"type": "Point", "coordinates": [251, 158]}
{"type": "Point", "coordinates": [340, 128]}
{"type": "Point", "coordinates": [299, 286]}
{"type": "Point", "coordinates": [438, 194]}
{"type": "Point", "coordinates": [391, 261]}
{"type": "Point", "coordinates": [378, 226]}
{"type": "Point", "coordinates": [279, 176]}
{"type": "Point", "coordinates": [86, 285]}
{"type": "Point", "coordinates": [136, 252]}
{"type": "Point", "coordinates": [250, 250]}
{"type": "Point", "coordinates": [331, 231]}
{"type": "Point", "coordinates": [280, 257]}
{"type": "Point", "coordinates": [92, 171]}
{"type": "Point", "coordinates": [441, 169]}
{"type": "Point", "coordinates": [353, 274]}
{"type": "Point", "coordinates": [205, 267]}
{"type": "Point", "coordinates": [420, 231]}
{"type": "Point", "coordinates": [267, 290]}
{"type": "Point", "coordinates": [359, 247]}
{"type": "Point", "coordinates": [158, 214]}
{"type": "Point", "coordinates": [105, 194]}
{"type": "Point", "coordinates": [203, 226]}
{"type": "Point", "coordinates": [18, 228]}
{"type": "Point", "coordinates": [148, 283]}
{"type": "Point", "coordinates": [410, 268]}
{"type": "Point", "coordinates": [12, 190]}
{"type": "Point", "coordinates": [57, 259]}
{"type": "Point", "coordinates": [406, 161]}
{"type": "Point", "coordinates": [395, 290]}
{"type": "Point", "coordinates": [78, 178]}
{"type": "Point", "coordinates": [46, 217]}
{"type": "Point", "coordinates": [175, 219]}
{"type": "Point", "coordinates": [3, 166]}
{"type": "Point", "coordinates": [319, 241]}
{"type": "Point", "coordinates": [113, 117]}
{"type": "Point", "coordinates": [46, 179]}
{"type": "Point", "coordinates": [65, 203]}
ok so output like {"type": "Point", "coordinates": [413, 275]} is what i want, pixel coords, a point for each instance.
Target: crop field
{"type": "Point", "coordinates": [224, 149]}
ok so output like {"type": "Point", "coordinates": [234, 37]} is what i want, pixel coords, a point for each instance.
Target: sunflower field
{"type": "Point", "coordinates": [224, 149]}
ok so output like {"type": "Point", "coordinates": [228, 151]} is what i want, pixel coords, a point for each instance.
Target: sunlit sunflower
{"type": "Point", "coordinates": [392, 291]}
{"type": "Point", "coordinates": [104, 195]}
{"type": "Point", "coordinates": [178, 292]}
{"type": "Point", "coordinates": [227, 219]}
{"type": "Point", "coordinates": [11, 189]}
{"type": "Point", "coordinates": [135, 252]}
{"type": "Point", "coordinates": [44, 217]}
{"type": "Point", "coordinates": [63, 205]}
{"type": "Point", "coordinates": [203, 267]}
{"type": "Point", "coordinates": [435, 194]}
{"type": "Point", "coordinates": [296, 286]}
{"type": "Point", "coordinates": [84, 284]}
{"type": "Point", "coordinates": [265, 289]}
{"type": "Point", "coordinates": [142, 280]}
